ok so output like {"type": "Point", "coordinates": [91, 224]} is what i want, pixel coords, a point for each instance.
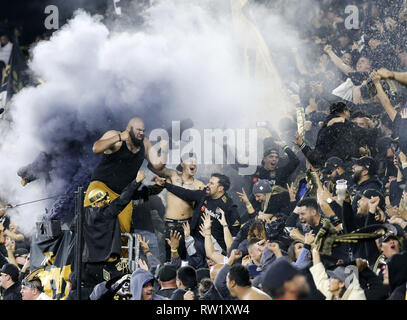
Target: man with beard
{"type": "Point", "coordinates": [309, 215]}
{"type": "Point", "coordinates": [179, 211]}
{"type": "Point", "coordinates": [213, 199]}
{"type": "Point", "coordinates": [364, 177]}
{"type": "Point", "coordinates": [123, 155]}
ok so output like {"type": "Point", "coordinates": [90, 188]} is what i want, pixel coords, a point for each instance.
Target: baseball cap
{"type": "Point", "coordinates": [368, 162]}
{"type": "Point", "coordinates": [11, 270]}
{"type": "Point", "coordinates": [331, 164]}
{"type": "Point", "coordinates": [20, 252]}
{"type": "Point", "coordinates": [337, 273]}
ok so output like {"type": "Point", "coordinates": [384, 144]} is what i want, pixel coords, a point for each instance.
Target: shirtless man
{"type": "Point", "coordinates": [123, 154]}
{"type": "Point", "coordinates": [179, 211]}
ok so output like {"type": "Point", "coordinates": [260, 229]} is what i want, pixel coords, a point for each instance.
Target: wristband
{"type": "Point", "coordinates": [174, 250]}
{"type": "Point", "coordinates": [225, 226]}
{"type": "Point", "coordinates": [302, 146]}
{"type": "Point", "coordinates": [249, 206]}
{"type": "Point", "coordinates": [307, 246]}
{"type": "Point", "coordinates": [285, 147]}
{"type": "Point", "coordinates": [404, 165]}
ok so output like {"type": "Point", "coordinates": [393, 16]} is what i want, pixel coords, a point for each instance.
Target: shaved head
{"type": "Point", "coordinates": [135, 122]}
{"type": "Point", "coordinates": [136, 130]}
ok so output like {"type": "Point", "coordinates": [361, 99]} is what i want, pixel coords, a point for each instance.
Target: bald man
{"type": "Point", "coordinates": [123, 154]}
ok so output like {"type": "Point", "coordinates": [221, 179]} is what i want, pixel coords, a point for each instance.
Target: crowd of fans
{"type": "Point", "coordinates": [323, 218]}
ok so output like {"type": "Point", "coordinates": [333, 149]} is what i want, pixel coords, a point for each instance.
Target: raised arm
{"type": "Point", "coordinates": [338, 61]}
{"type": "Point", "coordinates": [156, 155]}
{"type": "Point", "coordinates": [206, 231]}
{"type": "Point", "coordinates": [383, 98]}
{"type": "Point", "coordinates": [398, 76]}
{"type": "Point", "coordinates": [110, 142]}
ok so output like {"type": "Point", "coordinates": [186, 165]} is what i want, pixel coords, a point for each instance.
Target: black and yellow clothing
{"type": "Point", "coordinates": [113, 174]}
{"type": "Point", "coordinates": [101, 230]}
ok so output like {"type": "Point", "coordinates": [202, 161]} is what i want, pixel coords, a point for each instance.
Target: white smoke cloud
{"type": "Point", "coordinates": [184, 62]}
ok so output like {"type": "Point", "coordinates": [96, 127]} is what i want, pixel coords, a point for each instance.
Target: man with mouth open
{"type": "Point", "coordinates": [123, 154]}
{"type": "Point", "coordinates": [214, 201]}
{"type": "Point", "coordinates": [179, 211]}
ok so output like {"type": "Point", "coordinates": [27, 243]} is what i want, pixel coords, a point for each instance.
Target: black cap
{"type": "Point", "coordinates": [388, 236]}
{"type": "Point", "coordinates": [368, 162]}
{"type": "Point", "coordinates": [277, 273]}
{"type": "Point", "coordinates": [20, 252]}
{"type": "Point", "coordinates": [167, 272]}
{"type": "Point", "coordinates": [338, 107]}
{"type": "Point", "coordinates": [11, 270]}
{"type": "Point", "coordinates": [383, 144]}
{"type": "Point", "coordinates": [331, 164]}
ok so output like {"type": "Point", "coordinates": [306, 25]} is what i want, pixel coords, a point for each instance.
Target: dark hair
{"type": "Point", "coordinates": [291, 251]}
{"type": "Point", "coordinates": [309, 203]}
{"type": "Point", "coordinates": [204, 286]}
{"type": "Point", "coordinates": [337, 108]}
{"type": "Point", "coordinates": [240, 275]}
{"type": "Point", "coordinates": [275, 293]}
{"type": "Point", "coordinates": [187, 275]}
{"type": "Point", "coordinates": [259, 226]}
{"type": "Point", "coordinates": [224, 181]}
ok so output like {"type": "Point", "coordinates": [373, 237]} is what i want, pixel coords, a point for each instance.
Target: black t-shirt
{"type": "Point", "coordinates": [118, 169]}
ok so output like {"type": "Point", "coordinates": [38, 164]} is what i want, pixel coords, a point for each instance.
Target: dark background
{"type": "Point", "coordinates": [29, 14]}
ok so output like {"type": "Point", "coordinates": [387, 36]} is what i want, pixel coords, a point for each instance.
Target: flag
{"type": "Point", "coordinates": [15, 76]}
{"type": "Point", "coordinates": [258, 64]}
{"type": "Point", "coordinates": [55, 256]}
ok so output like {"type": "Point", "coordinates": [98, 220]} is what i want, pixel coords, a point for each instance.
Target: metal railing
{"type": "Point", "coordinates": [133, 251]}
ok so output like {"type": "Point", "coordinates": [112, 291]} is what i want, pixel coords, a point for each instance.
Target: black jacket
{"type": "Point", "coordinates": [340, 140]}
{"type": "Point", "coordinates": [204, 203]}
{"type": "Point", "coordinates": [357, 190]}
{"type": "Point", "coordinates": [13, 293]}
{"type": "Point", "coordinates": [280, 175]}
{"type": "Point", "coordinates": [101, 227]}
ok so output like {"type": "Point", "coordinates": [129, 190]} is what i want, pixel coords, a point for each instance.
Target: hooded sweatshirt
{"type": "Point", "coordinates": [138, 279]}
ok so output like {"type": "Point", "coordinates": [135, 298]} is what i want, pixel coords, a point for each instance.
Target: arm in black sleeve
{"type": "Point", "coordinates": [233, 220]}
{"type": "Point", "coordinates": [314, 157]}
{"type": "Point", "coordinates": [349, 223]}
{"type": "Point", "coordinates": [184, 194]}
{"type": "Point", "coordinates": [121, 202]}
{"type": "Point", "coordinates": [292, 163]}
